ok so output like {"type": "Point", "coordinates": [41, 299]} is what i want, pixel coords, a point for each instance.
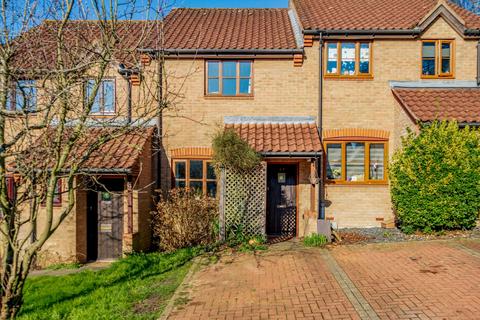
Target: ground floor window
{"type": "Point", "coordinates": [196, 174]}
{"type": "Point", "coordinates": [356, 161]}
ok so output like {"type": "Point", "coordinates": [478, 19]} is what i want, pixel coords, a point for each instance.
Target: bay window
{"type": "Point", "coordinates": [356, 161]}
{"type": "Point", "coordinates": [348, 59]}
{"type": "Point", "coordinates": [196, 174]}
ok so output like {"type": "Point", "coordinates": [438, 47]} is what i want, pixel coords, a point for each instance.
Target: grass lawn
{"type": "Point", "coordinates": [137, 287]}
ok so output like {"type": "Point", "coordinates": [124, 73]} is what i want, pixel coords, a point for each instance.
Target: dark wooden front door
{"type": "Point", "coordinates": [110, 225]}
{"type": "Point", "coordinates": [281, 199]}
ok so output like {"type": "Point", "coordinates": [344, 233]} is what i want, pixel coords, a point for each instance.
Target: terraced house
{"type": "Point", "coordinates": [323, 90]}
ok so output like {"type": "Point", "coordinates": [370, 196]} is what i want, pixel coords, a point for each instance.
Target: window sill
{"type": "Point", "coordinates": [208, 97]}
{"type": "Point", "coordinates": [437, 77]}
{"type": "Point", "coordinates": [102, 115]}
{"type": "Point", "coordinates": [332, 77]}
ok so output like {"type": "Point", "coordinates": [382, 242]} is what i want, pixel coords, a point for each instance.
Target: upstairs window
{"type": "Point", "coordinates": [356, 162]}
{"type": "Point", "coordinates": [23, 97]}
{"type": "Point", "coordinates": [196, 174]}
{"type": "Point", "coordinates": [348, 59]}
{"type": "Point", "coordinates": [437, 58]}
{"type": "Point", "coordinates": [229, 78]}
{"type": "Point", "coordinates": [104, 102]}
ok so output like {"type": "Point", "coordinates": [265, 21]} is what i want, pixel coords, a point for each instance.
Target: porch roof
{"type": "Point", "coordinates": [440, 103]}
{"type": "Point", "coordinates": [121, 154]}
{"type": "Point", "coordinates": [278, 135]}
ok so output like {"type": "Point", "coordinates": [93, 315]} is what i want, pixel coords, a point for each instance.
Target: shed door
{"type": "Point", "coordinates": [110, 225]}
{"type": "Point", "coordinates": [281, 199]}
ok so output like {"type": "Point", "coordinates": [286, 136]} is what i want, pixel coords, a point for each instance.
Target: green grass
{"type": "Point", "coordinates": [315, 240]}
{"type": "Point", "coordinates": [64, 266]}
{"type": "Point", "coordinates": [137, 287]}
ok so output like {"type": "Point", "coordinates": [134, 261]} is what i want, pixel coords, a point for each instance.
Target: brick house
{"type": "Point", "coordinates": [320, 89]}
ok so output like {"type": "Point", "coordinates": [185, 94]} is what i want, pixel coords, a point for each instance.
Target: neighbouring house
{"type": "Point", "coordinates": [323, 90]}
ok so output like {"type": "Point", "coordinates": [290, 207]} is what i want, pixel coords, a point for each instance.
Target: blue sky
{"type": "Point", "coordinates": [232, 3]}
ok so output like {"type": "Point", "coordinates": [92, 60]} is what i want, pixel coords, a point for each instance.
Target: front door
{"type": "Point", "coordinates": [110, 225]}
{"type": "Point", "coordinates": [281, 199]}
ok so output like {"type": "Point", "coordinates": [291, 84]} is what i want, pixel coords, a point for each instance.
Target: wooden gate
{"type": "Point", "coordinates": [110, 225]}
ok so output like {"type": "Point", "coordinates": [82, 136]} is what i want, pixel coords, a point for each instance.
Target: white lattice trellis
{"type": "Point", "coordinates": [243, 199]}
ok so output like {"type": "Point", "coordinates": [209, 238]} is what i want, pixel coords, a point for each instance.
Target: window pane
{"type": "Point", "coordinates": [364, 58]}
{"type": "Point", "coordinates": [196, 169]}
{"type": "Point", "coordinates": [96, 103]}
{"type": "Point", "coordinates": [229, 69]}
{"type": "Point", "coordinates": [109, 96]}
{"type": "Point", "coordinates": [180, 184]}
{"type": "Point", "coordinates": [428, 50]}
{"type": "Point", "coordinates": [180, 168]}
{"type": "Point", "coordinates": [213, 86]}
{"type": "Point", "coordinates": [213, 69]}
{"type": "Point", "coordinates": [355, 161]}
{"type": "Point", "coordinates": [446, 50]}
{"type": "Point", "coordinates": [376, 162]}
{"type": "Point", "coordinates": [196, 186]}
{"type": "Point", "coordinates": [428, 67]}
{"type": "Point", "coordinates": [348, 59]}
{"type": "Point", "coordinates": [26, 95]}
{"type": "Point", "coordinates": [446, 58]}
{"type": "Point", "coordinates": [212, 189]}
{"type": "Point", "coordinates": [57, 197]}
{"type": "Point", "coordinates": [229, 87]}
{"type": "Point", "coordinates": [245, 86]}
{"type": "Point", "coordinates": [334, 161]}
{"type": "Point", "coordinates": [245, 68]}
{"type": "Point", "coordinates": [210, 171]}
{"type": "Point", "coordinates": [332, 54]}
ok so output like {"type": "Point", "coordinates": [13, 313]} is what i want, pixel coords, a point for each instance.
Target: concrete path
{"type": "Point", "coordinates": [412, 280]}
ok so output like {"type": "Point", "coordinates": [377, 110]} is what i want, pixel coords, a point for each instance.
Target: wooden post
{"type": "Point", "coordinates": [221, 205]}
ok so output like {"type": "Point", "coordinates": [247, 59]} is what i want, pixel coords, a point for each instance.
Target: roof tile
{"type": "Point", "coordinates": [460, 104]}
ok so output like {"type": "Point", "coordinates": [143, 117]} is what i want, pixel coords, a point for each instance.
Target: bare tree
{"type": "Point", "coordinates": [48, 140]}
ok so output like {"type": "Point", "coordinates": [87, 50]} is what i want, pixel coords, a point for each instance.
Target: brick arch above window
{"type": "Point", "coordinates": [356, 134]}
{"type": "Point", "coordinates": [189, 152]}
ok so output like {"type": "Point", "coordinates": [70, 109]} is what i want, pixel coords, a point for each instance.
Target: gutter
{"type": "Point", "coordinates": [221, 51]}
{"type": "Point", "coordinates": [327, 32]}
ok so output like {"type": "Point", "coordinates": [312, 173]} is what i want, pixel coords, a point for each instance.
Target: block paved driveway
{"type": "Point", "coordinates": [412, 280]}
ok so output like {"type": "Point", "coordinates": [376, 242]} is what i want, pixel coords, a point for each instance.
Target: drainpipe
{"type": "Point", "coordinates": [130, 205]}
{"type": "Point", "coordinates": [161, 61]}
{"type": "Point", "coordinates": [478, 63]}
{"type": "Point", "coordinates": [320, 197]}
{"type": "Point", "coordinates": [126, 73]}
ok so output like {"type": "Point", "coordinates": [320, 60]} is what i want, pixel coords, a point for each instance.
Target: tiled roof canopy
{"type": "Point", "coordinates": [120, 154]}
{"type": "Point", "coordinates": [428, 104]}
{"type": "Point", "coordinates": [229, 29]}
{"type": "Point", "coordinates": [372, 14]}
{"type": "Point", "coordinates": [277, 134]}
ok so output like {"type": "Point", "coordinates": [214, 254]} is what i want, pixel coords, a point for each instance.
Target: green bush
{"type": "Point", "coordinates": [435, 178]}
{"type": "Point", "coordinates": [230, 151]}
{"type": "Point", "coordinates": [315, 240]}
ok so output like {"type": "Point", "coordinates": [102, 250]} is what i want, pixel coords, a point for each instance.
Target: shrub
{"type": "Point", "coordinates": [184, 219]}
{"type": "Point", "coordinates": [315, 240]}
{"type": "Point", "coordinates": [435, 179]}
{"type": "Point", "coordinates": [230, 151]}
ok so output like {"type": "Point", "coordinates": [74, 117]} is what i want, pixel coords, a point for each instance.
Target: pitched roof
{"type": "Point", "coordinates": [274, 134]}
{"type": "Point", "coordinates": [229, 29]}
{"type": "Point", "coordinates": [122, 153]}
{"type": "Point", "coordinates": [372, 14]}
{"type": "Point", "coordinates": [428, 104]}
{"type": "Point", "coordinates": [37, 47]}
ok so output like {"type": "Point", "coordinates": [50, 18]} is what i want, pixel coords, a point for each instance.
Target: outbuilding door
{"type": "Point", "coordinates": [281, 199]}
{"type": "Point", "coordinates": [110, 225]}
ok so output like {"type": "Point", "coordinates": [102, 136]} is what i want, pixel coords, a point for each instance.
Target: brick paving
{"type": "Point", "coordinates": [414, 280]}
